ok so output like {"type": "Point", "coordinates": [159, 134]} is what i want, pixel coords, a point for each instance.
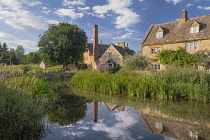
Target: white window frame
{"type": "Point", "coordinates": [194, 29]}
{"type": "Point", "coordinates": [155, 50]}
{"type": "Point", "coordinates": [192, 46]}
{"type": "Point", "coordinates": [159, 34]}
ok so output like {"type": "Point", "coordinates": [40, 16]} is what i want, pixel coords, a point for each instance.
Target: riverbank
{"type": "Point", "coordinates": [25, 100]}
{"type": "Point", "coordinates": [173, 83]}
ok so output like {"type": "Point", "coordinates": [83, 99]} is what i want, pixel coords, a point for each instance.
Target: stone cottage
{"type": "Point", "coordinates": [192, 34]}
{"type": "Point", "coordinates": [97, 53]}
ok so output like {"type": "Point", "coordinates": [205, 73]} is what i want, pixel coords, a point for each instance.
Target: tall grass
{"type": "Point", "coordinates": [172, 83]}
{"type": "Point", "coordinates": [20, 115]}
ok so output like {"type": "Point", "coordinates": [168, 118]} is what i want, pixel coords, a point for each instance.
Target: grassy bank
{"type": "Point", "coordinates": [170, 84]}
{"type": "Point", "coordinates": [24, 102]}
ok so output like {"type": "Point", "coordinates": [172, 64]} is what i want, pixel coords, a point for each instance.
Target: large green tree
{"type": "Point", "coordinates": [33, 57]}
{"type": "Point", "coordinates": [62, 44]}
{"type": "Point", "coordinates": [12, 57]}
{"type": "Point", "coordinates": [19, 52]}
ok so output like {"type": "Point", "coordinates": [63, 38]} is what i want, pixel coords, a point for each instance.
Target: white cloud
{"type": "Point", "coordinates": [128, 35]}
{"type": "Point", "coordinates": [73, 2]}
{"type": "Point", "coordinates": [83, 8]}
{"type": "Point", "coordinates": [189, 5]}
{"type": "Point", "coordinates": [51, 21]}
{"type": "Point", "coordinates": [33, 3]}
{"type": "Point", "coordinates": [14, 15]}
{"type": "Point", "coordinates": [12, 41]}
{"type": "Point", "coordinates": [126, 17]}
{"type": "Point", "coordinates": [120, 129]}
{"type": "Point", "coordinates": [174, 1]}
{"type": "Point", "coordinates": [69, 12]}
{"type": "Point", "coordinates": [203, 7]}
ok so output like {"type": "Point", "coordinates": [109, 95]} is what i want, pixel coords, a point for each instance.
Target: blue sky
{"type": "Point", "coordinates": [22, 21]}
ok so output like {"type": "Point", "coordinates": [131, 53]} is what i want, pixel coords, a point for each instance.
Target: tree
{"type": "Point", "coordinates": [4, 53]}
{"type": "Point", "coordinates": [33, 57]}
{"type": "Point", "coordinates": [20, 53]}
{"type": "Point", "coordinates": [12, 57]}
{"type": "Point", "coordinates": [63, 44]}
{"type": "Point", "coordinates": [136, 62]}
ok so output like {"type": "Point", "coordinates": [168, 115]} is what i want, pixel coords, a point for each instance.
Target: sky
{"type": "Point", "coordinates": [23, 21]}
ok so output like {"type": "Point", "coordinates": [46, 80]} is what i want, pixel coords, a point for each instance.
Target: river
{"type": "Point", "coordinates": [81, 115]}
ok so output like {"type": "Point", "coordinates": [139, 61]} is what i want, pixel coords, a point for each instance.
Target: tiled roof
{"type": "Point", "coordinates": [178, 32]}
{"type": "Point", "coordinates": [102, 47]}
{"type": "Point", "coordinates": [124, 51]}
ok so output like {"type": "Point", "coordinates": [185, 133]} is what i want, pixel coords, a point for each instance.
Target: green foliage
{"type": "Point", "coordinates": [69, 109]}
{"type": "Point", "coordinates": [19, 52]}
{"type": "Point", "coordinates": [63, 44]}
{"type": "Point", "coordinates": [12, 57]}
{"type": "Point", "coordinates": [179, 57]}
{"type": "Point", "coordinates": [26, 68]}
{"type": "Point", "coordinates": [4, 53]}
{"type": "Point", "coordinates": [136, 62]}
{"type": "Point", "coordinates": [32, 85]}
{"type": "Point", "coordinates": [33, 58]}
{"type": "Point", "coordinates": [114, 70]}
{"type": "Point", "coordinates": [20, 116]}
{"type": "Point", "coordinates": [170, 84]}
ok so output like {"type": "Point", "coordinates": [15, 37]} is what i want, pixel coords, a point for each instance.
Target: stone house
{"type": "Point", "coordinates": [97, 53]}
{"type": "Point", "coordinates": [192, 34]}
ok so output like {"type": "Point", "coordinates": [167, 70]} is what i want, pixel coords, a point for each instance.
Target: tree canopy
{"type": "Point", "coordinates": [33, 57]}
{"type": "Point", "coordinates": [62, 44]}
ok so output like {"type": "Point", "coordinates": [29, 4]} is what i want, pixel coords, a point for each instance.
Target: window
{"type": "Point", "coordinates": [156, 66]}
{"type": "Point", "coordinates": [155, 50]}
{"type": "Point", "coordinates": [110, 55]}
{"type": "Point", "coordinates": [192, 46]}
{"type": "Point", "coordinates": [193, 134]}
{"type": "Point", "coordinates": [159, 125]}
{"type": "Point", "coordinates": [159, 34]}
{"type": "Point", "coordinates": [194, 29]}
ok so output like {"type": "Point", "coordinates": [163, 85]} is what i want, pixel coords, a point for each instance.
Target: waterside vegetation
{"type": "Point", "coordinates": [173, 83]}
{"type": "Point", "coordinates": [25, 100]}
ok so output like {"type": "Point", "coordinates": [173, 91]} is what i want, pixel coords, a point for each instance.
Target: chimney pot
{"type": "Point", "coordinates": [121, 43]}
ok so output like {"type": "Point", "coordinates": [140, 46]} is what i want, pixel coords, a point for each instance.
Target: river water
{"type": "Point", "coordinates": [81, 115]}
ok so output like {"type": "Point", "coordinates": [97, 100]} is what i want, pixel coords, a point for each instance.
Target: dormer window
{"type": "Point", "coordinates": [195, 27]}
{"type": "Point", "coordinates": [160, 32]}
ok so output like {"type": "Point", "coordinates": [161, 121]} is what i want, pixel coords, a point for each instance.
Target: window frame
{"type": "Point", "coordinates": [156, 66]}
{"type": "Point", "coordinates": [155, 50]}
{"type": "Point", "coordinates": [191, 46]}
{"type": "Point", "coordinates": [194, 29]}
{"type": "Point", "coordinates": [110, 55]}
{"type": "Point", "coordinates": [159, 34]}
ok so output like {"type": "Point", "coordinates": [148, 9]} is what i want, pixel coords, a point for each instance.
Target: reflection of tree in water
{"type": "Point", "coordinates": [68, 110]}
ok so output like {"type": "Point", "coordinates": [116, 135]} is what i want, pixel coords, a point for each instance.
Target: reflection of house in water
{"type": "Point", "coordinates": [178, 128]}
{"type": "Point", "coordinates": [110, 106]}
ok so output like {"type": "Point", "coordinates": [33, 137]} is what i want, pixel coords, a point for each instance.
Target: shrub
{"type": "Point", "coordinates": [136, 62]}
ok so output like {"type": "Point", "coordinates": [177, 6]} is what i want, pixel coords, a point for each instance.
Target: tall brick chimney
{"type": "Point", "coordinates": [184, 16]}
{"type": "Point", "coordinates": [95, 42]}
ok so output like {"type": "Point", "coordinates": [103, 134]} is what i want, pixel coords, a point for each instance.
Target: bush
{"type": "Point", "coordinates": [136, 62]}
{"type": "Point", "coordinates": [114, 70]}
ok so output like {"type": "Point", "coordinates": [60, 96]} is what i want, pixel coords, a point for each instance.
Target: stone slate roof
{"type": "Point", "coordinates": [123, 51]}
{"type": "Point", "coordinates": [102, 48]}
{"type": "Point", "coordinates": [178, 32]}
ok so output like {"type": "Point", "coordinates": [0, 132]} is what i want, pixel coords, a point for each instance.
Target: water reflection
{"type": "Point", "coordinates": [109, 117]}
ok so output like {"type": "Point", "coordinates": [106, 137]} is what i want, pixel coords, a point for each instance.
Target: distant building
{"type": "Point", "coordinates": [97, 53]}
{"type": "Point", "coordinates": [192, 34]}
{"type": "Point", "coordinates": [43, 64]}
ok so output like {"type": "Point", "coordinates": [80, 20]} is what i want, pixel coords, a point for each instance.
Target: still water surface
{"type": "Point", "coordinates": [80, 115]}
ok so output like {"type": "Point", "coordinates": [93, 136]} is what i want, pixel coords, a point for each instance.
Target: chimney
{"type": "Point", "coordinates": [95, 41]}
{"type": "Point", "coordinates": [184, 16]}
{"type": "Point", "coordinates": [127, 45]}
{"type": "Point", "coordinates": [121, 43]}
{"type": "Point", "coordinates": [100, 42]}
